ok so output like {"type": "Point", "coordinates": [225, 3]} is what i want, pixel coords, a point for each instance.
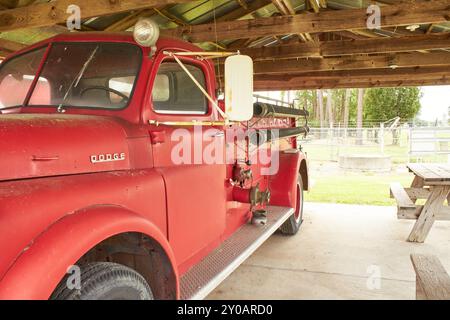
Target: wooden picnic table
{"type": "Point", "coordinates": [431, 182]}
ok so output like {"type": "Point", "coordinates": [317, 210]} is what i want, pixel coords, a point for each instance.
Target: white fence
{"type": "Point", "coordinates": [426, 142]}
{"type": "Point", "coordinates": [403, 144]}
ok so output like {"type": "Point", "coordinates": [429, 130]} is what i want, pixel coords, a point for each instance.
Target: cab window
{"type": "Point", "coordinates": [174, 92]}
{"type": "Point", "coordinates": [16, 78]}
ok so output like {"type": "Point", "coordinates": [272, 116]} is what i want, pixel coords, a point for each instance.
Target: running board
{"type": "Point", "coordinates": [204, 277]}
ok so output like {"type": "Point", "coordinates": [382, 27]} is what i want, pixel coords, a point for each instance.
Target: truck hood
{"type": "Point", "coordinates": [35, 145]}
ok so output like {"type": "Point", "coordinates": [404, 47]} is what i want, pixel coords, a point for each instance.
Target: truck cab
{"type": "Point", "coordinates": [120, 170]}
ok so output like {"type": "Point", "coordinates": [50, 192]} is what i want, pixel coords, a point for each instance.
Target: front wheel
{"type": "Point", "coordinates": [106, 281]}
{"type": "Point", "coordinates": [293, 224]}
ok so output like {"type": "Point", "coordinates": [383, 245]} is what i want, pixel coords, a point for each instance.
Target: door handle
{"type": "Point", "coordinates": [219, 134]}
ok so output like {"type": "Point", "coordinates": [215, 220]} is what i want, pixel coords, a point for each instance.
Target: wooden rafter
{"type": "Point", "coordinates": [315, 5]}
{"type": "Point", "coordinates": [285, 7]}
{"type": "Point", "coordinates": [433, 11]}
{"type": "Point", "coordinates": [304, 84]}
{"type": "Point", "coordinates": [242, 12]}
{"type": "Point", "coordinates": [46, 14]}
{"type": "Point", "coordinates": [367, 74]}
{"type": "Point", "coordinates": [128, 21]}
{"type": "Point", "coordinates": [422, 73]}
{"type": "Point", "coordinates": [339, 48]}
{"type": "Point", "coordinates": [400, 60]}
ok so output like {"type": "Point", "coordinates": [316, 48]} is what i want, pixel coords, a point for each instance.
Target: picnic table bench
{"type": "Point", "coordinates": [432, 281]}
{"type": "Point", "coordinates": [431, 182]}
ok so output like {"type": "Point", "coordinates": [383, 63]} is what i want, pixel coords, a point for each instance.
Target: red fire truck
{"type": "Point", "coordinates": [94, 201]}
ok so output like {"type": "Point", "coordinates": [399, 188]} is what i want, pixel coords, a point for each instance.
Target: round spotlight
{"type": "Point", "coordinates": [146, 32]}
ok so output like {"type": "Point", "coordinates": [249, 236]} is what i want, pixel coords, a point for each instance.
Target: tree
{"type": "Point", "coordinates": [307, 99]}
{"type": "Point", "coordinates": [384, 104]}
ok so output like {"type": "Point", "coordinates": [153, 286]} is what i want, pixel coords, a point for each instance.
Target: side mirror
{"type": "Point", "coordinates": [239, 88]}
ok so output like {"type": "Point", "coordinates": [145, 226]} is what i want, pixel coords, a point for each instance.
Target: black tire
{"type": "Point", "coordinates": [106, 281]}
{"type": "Point", "coordinates": [293, 224]}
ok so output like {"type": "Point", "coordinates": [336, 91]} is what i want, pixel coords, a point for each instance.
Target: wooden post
{"type": "Point", "coordinates": [417, 183]}
{"type": "Point", "coordinates": [427, 216]}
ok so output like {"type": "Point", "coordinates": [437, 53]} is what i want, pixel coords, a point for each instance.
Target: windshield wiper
{"type": "Point", "coordinates": [76, 81]}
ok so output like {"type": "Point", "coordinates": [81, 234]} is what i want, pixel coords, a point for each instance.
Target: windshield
{"type": "Point", "coordinates": [85, 75]}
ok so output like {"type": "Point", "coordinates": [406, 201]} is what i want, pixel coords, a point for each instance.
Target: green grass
{"type": "Point", "coordinates": [352, 188]}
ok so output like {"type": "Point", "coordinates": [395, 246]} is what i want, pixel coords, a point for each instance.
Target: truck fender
{"type": "Point", "coordinates": [283, 186]}
{"type": "Point", "coordinates": [41, 266]}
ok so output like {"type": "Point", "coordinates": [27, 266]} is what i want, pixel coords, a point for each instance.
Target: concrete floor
{"type": "Point", "coordinates": [338, 252]}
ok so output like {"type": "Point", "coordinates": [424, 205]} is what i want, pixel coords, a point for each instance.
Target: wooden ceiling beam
{"type": "Point", "coordinates": [305, 84]}
{"type": "Point", "coordinates": [285, 8]}
{"type": "Point", "coordinates": [343, 47]}
{"type": "Point", "coordinates": [418, 73]}
{"type": "Point", "coordinates": [47, 14]}
{"type": "Point", "coordinates": [433, 11]}
{"type": "Point", "coordinates": [240, 13]}
{"type": "Point", "coordinates": [401, 60]}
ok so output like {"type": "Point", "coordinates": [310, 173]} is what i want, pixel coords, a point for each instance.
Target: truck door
{"type": "Point", "coordinates": [195, 187]}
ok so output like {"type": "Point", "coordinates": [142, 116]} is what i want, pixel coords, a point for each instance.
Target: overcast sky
{"type": "Point", "coordinates": [435, 102]}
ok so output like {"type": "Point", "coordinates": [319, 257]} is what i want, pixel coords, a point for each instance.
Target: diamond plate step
{"type": "Point", "coordinates": [204, 277]}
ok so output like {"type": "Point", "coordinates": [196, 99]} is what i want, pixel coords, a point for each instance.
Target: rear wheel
{"type": "Point", "coordinates": [293, 224]}
{"type": "Point", "coordinates": [106, 281]}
